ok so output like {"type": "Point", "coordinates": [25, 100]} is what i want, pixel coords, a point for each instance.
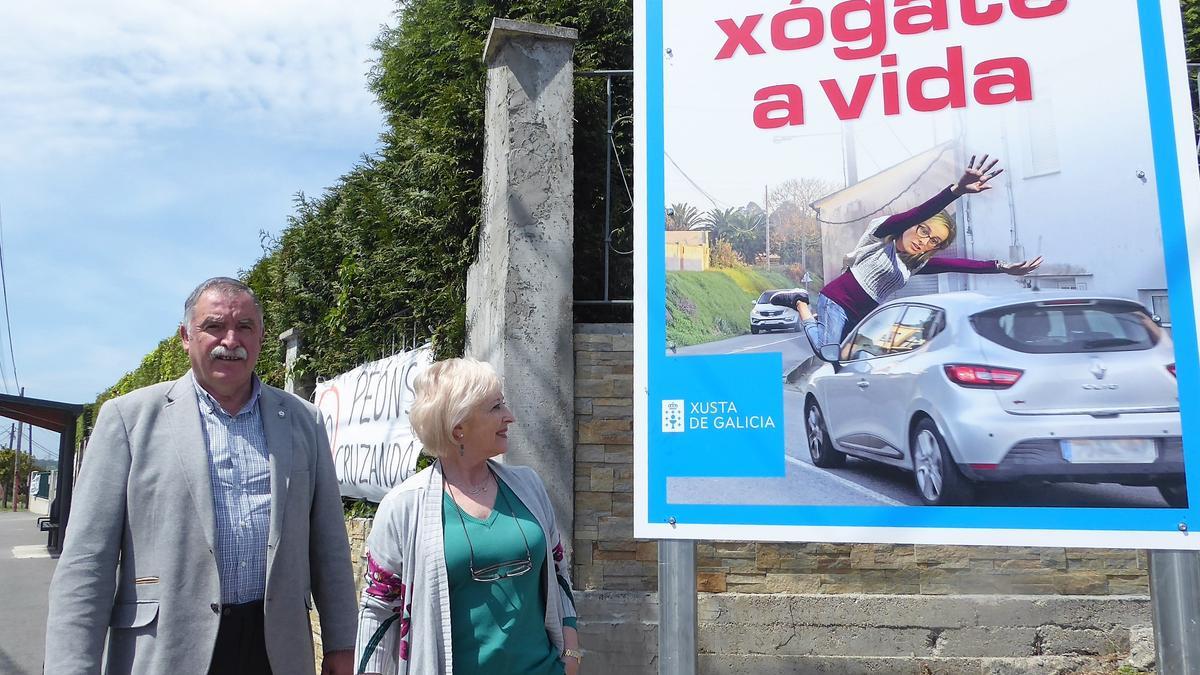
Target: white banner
{"type": "Point", "coordinates": [366, 416]}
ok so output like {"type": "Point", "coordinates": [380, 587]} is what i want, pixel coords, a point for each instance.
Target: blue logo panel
{"type": "Point", "coordinates": [718, 420]}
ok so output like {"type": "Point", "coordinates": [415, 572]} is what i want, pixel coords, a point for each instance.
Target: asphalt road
{"type": "Point", "coordinates": [862, 482]}
{"type": "Point", "coordinates": [793, 346]}
{"type": "Point", "coordinates": [24, 584]}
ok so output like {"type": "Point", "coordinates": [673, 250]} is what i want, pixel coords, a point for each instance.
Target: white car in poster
{"type": "Point", "coordinates": [765, 316]}
{"type": "Point", "coordinates": [964, 388]}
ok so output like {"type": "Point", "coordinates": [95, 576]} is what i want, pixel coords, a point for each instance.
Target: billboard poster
{"type": "Point", "coordinates": [916, 271]}
{"type": "Point", "coordinates": [366, 416]}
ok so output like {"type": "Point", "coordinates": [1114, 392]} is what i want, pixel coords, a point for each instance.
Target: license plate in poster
{"type": "Point", "coordinates": [1110, 451]}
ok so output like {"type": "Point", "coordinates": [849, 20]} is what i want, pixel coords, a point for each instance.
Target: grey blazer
{"type": "Point", "coordinates": [138, 563]}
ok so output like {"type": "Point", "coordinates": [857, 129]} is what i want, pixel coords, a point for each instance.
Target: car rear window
{"type": "Point", "coordinates": [1064, 327]}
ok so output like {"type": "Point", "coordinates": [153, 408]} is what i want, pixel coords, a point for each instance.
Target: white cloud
{"type": "Point", "coordinates": [144, 145]}
{"type": "Point", "coordinates": [79, 77]}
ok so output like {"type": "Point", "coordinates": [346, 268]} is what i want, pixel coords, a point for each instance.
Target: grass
{"type": "Point", "coordinates": [713, 305]}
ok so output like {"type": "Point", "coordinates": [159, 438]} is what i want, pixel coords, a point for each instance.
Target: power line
{"type": "Point", "coordinates": [901, 140]}
{"type": "Point", "coordinates": [44, 453]}
{"type": "Point", "coordinates": [716, 203]}
{"type": "Point", "coordinates": [3, 369]}
{"type": "Point", "coordinates": [7, 319]}
{"type": "Point", "coordinates": [51, 453]}
{"type": "Point", "coordinates": [891, 201]}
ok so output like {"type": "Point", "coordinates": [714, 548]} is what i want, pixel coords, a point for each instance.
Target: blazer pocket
{"type": "Point", "coordinates": [133, 614]}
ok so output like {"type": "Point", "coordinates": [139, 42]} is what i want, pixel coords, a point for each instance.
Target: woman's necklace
{"type": "Point", "coordinates": [479, 489]}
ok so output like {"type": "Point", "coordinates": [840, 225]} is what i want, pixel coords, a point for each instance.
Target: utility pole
{"type": "Point", "coordinates": [12, 432]}
{"type": "Point", "coordinates": [804, 252]}
{"type": "Point", "coordinates": [767, 208]}
{"type": "Point", "coordinates": [849, 154]}
{"type": "Point", "coordinates": [16, 492]}
{"type": "Point", "coordinates": [29, 491]}
{"type": "Point", "coordinates": [16, 486]}
{"type": "Point", "coordinates": [1174, 592]}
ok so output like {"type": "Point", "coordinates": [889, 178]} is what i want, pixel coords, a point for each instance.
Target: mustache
{"type": "Point", "coordinates": [221, 352]}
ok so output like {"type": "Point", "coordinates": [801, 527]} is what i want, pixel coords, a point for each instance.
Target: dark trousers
{"type": "Point", "coordinates": [241, 647]}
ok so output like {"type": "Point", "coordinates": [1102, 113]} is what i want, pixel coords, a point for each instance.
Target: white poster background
{"type": "Point", "coordinates": [366, 416]}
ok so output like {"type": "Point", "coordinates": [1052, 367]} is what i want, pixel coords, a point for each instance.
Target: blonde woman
{"type": "Point", "coordinates": [892, 250]}
{"type": "Point", "coordinates": [465, 566]}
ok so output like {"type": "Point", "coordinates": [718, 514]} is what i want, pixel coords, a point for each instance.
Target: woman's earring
{"type": "Point", "coordinates": [461, 450]}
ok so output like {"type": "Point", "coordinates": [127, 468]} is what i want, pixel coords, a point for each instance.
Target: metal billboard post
{"type": "Point", "coordinates": [676, 607]}
{"type": "Point", "coordinates": [1175, 603]}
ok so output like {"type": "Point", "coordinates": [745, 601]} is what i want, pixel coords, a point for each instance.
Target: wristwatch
{"type": "Point", "coordinates": [574, 654]}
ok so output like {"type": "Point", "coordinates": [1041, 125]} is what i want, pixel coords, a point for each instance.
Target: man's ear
{"type": "Point", "coordinates": [183, 335]}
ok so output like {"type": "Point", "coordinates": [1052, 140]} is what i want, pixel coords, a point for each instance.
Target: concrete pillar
{"type": "Point", "coordinates": [519, 289]}
{"type": "Point", "coordinates": [302, 387]}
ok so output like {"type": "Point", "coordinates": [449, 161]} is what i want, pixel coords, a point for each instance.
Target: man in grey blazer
{"type": "Point", "coordinates": [206, 515]}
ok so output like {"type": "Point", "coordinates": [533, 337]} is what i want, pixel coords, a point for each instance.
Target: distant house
{"type": "Point", "coordinates": [687, 250]}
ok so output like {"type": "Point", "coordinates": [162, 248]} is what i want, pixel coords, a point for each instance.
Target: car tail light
{"type": "Point", "coordinates": [982, 377]}
{"type": "Point", "coordinates": [985, 467]}
{"type": "Point", "coordinates": [1171, 369]}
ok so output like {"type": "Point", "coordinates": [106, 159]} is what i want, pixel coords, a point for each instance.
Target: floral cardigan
{"type": "Point", "coordinates": [406, 574]}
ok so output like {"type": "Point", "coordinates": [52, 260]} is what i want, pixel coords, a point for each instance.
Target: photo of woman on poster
{"type": "Point", "coordinates": [891, 250]}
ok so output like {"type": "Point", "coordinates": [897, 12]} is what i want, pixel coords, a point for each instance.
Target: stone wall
{"type": "Point", "coordinates": [606, 555]}
{"type": "Point", "coordinates": [357, 530]}
{"type": "Point", "coordinates": [918, 570]}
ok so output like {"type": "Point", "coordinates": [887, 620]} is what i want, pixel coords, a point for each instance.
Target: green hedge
{"type": "Point", "coordinates": [707, 306]}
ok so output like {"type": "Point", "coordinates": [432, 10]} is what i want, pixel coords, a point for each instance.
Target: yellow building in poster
{"type": "Point", "coordinates": [687, 250]}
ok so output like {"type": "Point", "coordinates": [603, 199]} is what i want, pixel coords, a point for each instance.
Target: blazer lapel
{"type": "Point", "coordinates": [183, 414]}
{"type": "Point", "coordinates": [277, 424]}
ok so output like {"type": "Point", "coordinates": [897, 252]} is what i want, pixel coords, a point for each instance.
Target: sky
{"type": "Point", "coordinates": [145, 147]}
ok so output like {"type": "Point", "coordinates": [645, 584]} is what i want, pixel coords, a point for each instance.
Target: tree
{"type": "Point", "coordinates": [744, 228]}
{"type": "Point", "coordinates": [1191, 28]}
{"type": "Point", "coordinates": [684, 216]}
{"type": "Point", "coordinates": [795, 230]}
{"type": "Point", "coordinates": [24, 463]}
{"type": "Point", "coordinates": [722, 256]}
{"type": "Point", "coordinates": [1191, 40]}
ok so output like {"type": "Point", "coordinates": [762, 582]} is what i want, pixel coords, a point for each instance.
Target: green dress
{"type": "Point", "coordinates": [498, 627]}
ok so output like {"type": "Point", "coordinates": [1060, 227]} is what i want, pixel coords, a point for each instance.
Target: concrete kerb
{"type": "Point", "coordinates": [855, 633]}
{"type": "Point", "coordinates": [790, 375]}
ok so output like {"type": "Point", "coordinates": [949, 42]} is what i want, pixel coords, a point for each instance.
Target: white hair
{"type": "Point", "coordinates": [446, 393]}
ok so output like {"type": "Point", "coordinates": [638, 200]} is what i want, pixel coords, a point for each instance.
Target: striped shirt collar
{"type": "Point", "coordinates": [210, 404]}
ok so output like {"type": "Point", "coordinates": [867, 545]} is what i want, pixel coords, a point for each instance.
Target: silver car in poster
{"type": "Point", "coordinates": [964, 388]}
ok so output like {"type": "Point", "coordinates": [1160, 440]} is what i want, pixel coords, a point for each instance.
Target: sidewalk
{"type": "Point", "coordinates": [24, 583]}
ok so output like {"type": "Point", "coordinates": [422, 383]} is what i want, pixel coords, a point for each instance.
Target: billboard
{"type": "Point", "coordinates": [366, 416]}
{"type": "Point", "coordinates": [949, 296]}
